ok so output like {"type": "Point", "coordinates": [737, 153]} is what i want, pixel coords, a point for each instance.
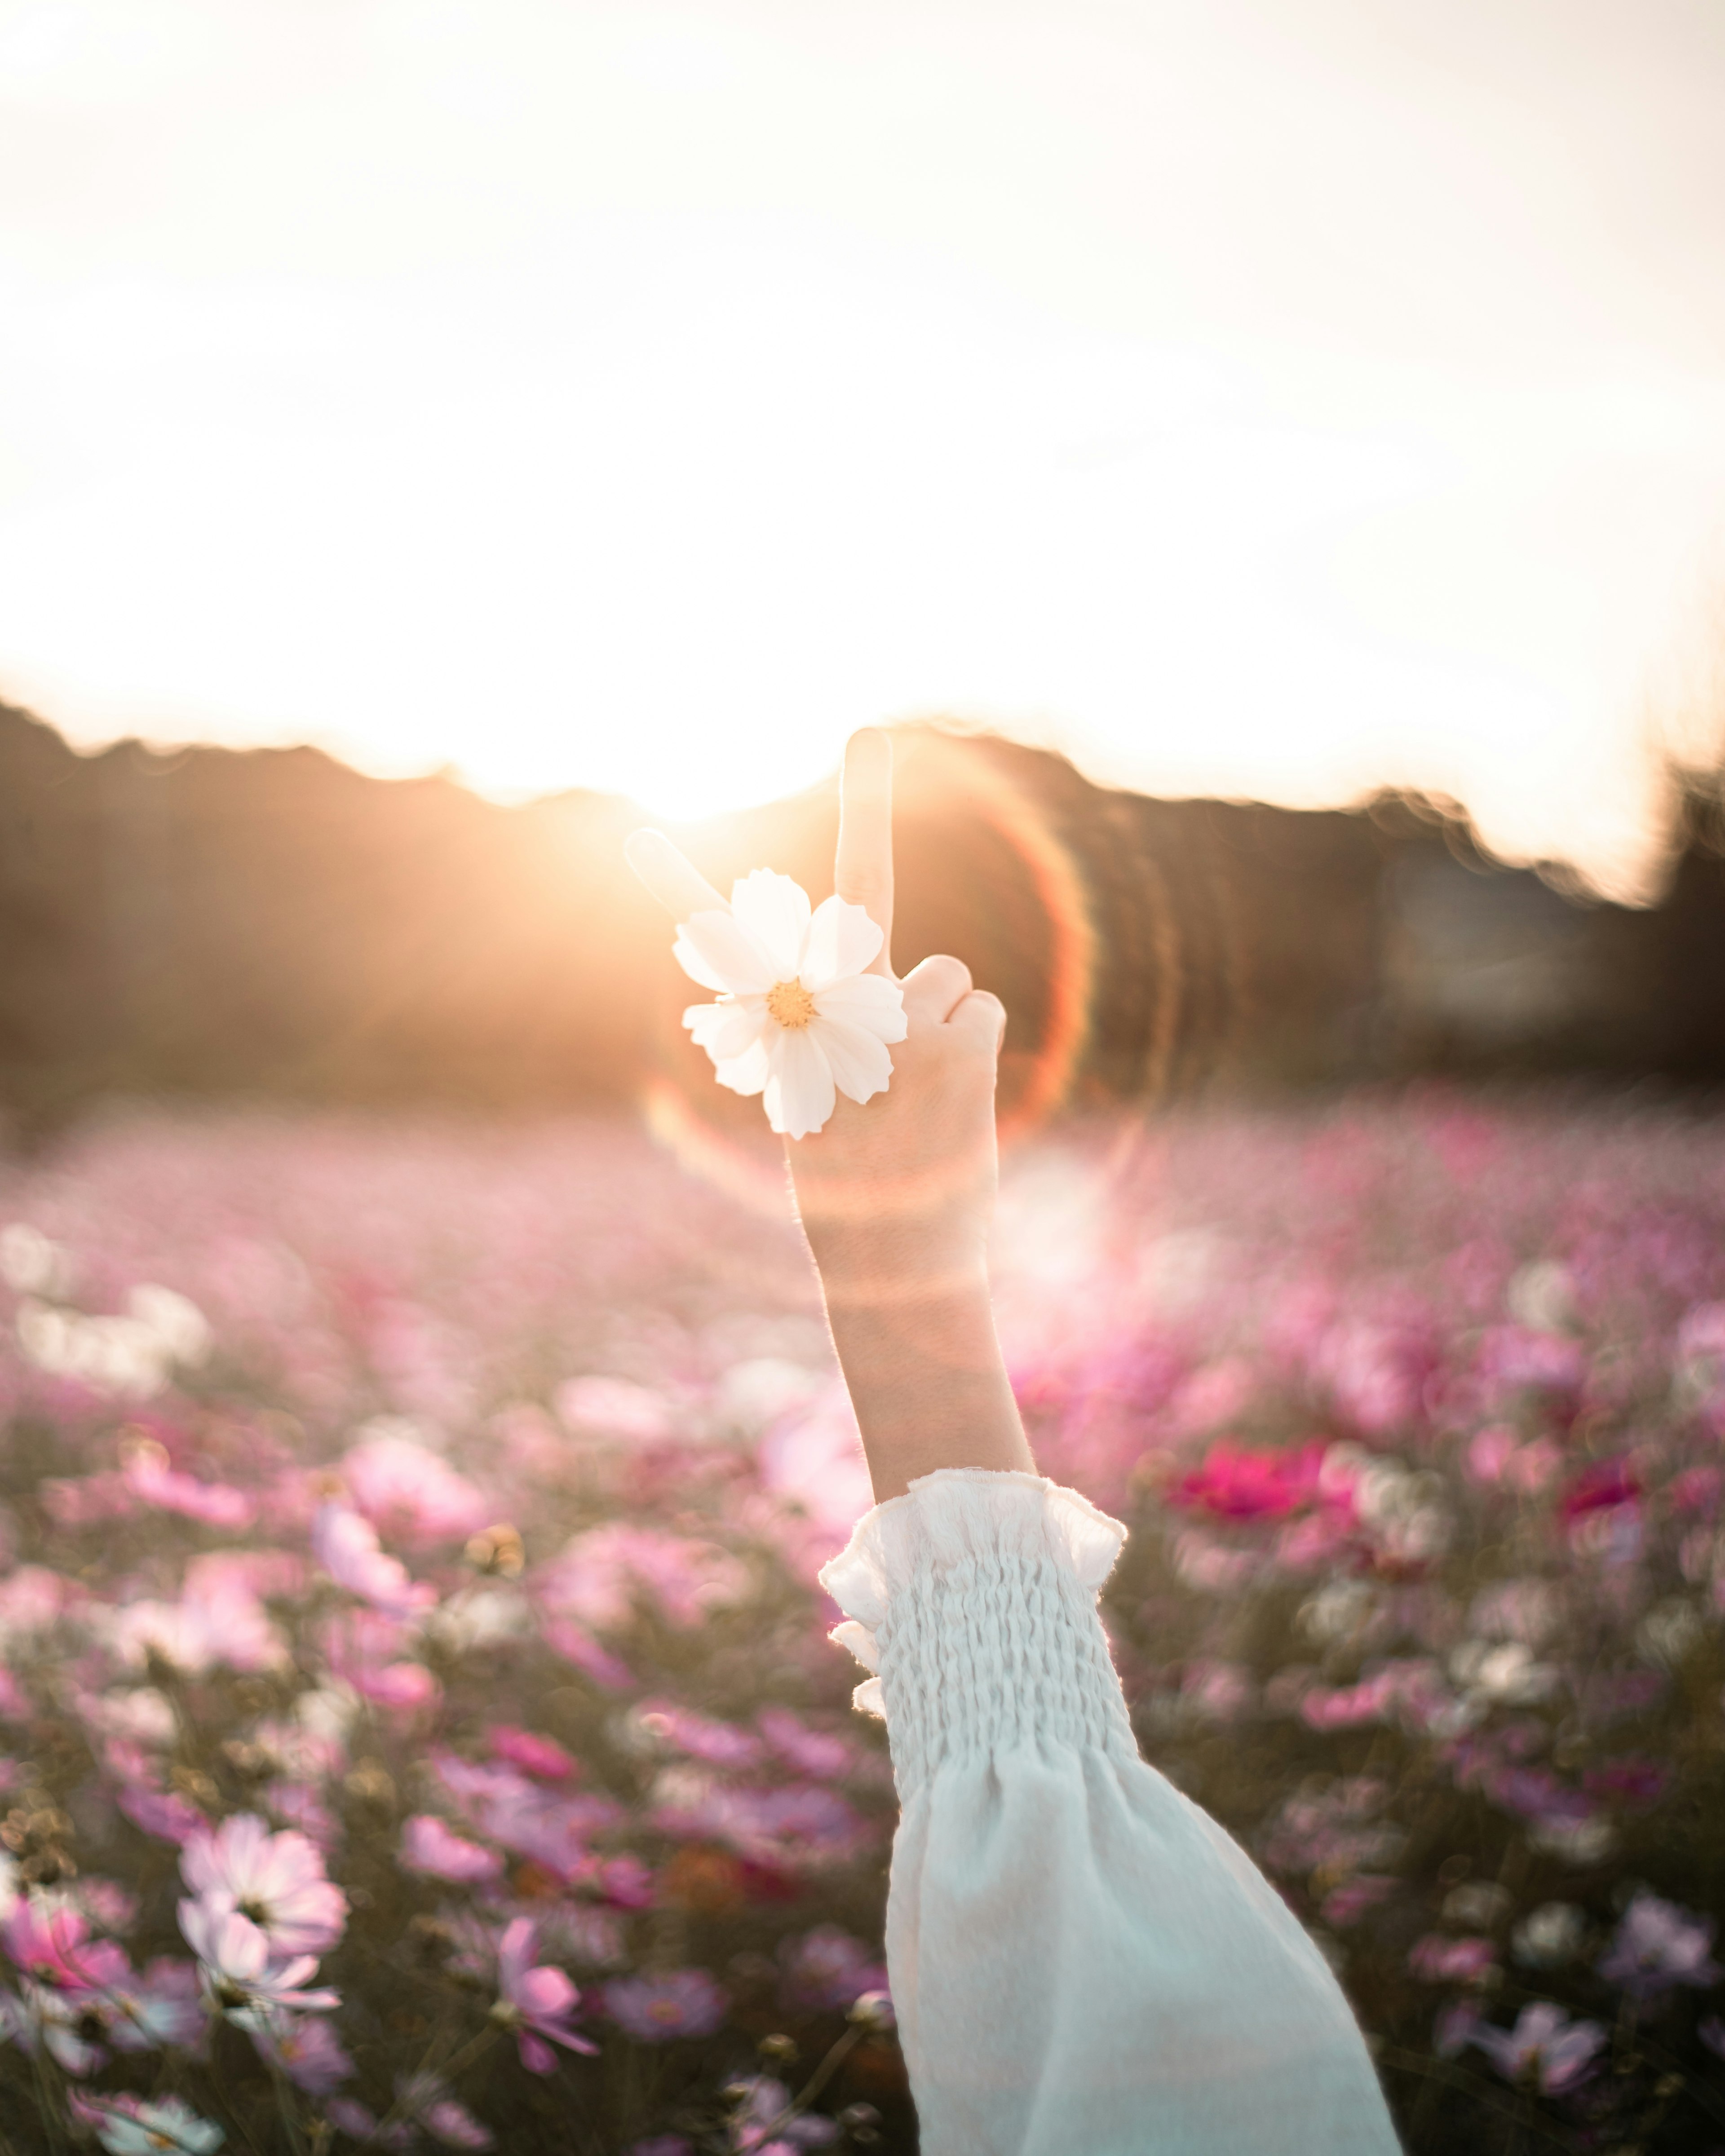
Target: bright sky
{"type": "Point", "coordinates": [1260, 396]}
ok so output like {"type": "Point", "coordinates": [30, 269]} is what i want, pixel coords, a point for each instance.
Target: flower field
{"type": "Point", "coordinates": [416, 1725]}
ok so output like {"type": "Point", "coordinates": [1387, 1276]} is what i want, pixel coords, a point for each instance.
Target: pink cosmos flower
{"type": "Point", "coordinates": [1545, 2047]}
{"type": "Point", "coordinates": [596, 1577]}
{"type": "Point", "coordinates": [534, 1754]}
{"type": "Point", "coordinates": [304, 2048]}
{"type": "Point", "coordinates": [1599, 1488]}
{"type": "Point", "coordinates": [719, 1743]}
{"type": "Point", "coordinates": [1345, 1905]}
{"type": "Point", "coordinates": [162, 1813]}
{"type": "Point", "coordinates": [1437, 1959]}
{"type": "Point", "coordinates": [155, 2010]}
{"type": "Point", "coordinates": [240, 1980]}
{"type": "Point", "coordinates": [535, 2002]}
{"type": "Point", "coordinates": [811, 1752]}
{"type": "Point", "coordinates": [1236, 1483]}
{"type": "Point", "coordinates": [146, 1473]}
{"type": "Point", "coordinates": [53, 1946]}
{"type": "Point", "coordinates": [344, 1543]}
{"type": "Point", "coordinates": [1658, 1945]}
{"type": "Point", "coordinates": [760, 2127]}
{"type": "Point", "coordinates": [427, 1846]}
{"type": "Point", "coordinates": [826, 1969]}
{"type": "Point", "coordinates": [277, 1880]}
{"type": "Point", "coordinates": [658, 2009]}
{"type": "Point", "coordinates": [408, 1493]}
{"type": "Point", "coordinates": [426, 2097]}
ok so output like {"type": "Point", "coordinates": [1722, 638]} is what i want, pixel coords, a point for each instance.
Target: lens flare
{"type": "Point", "coordinates": [942, 776]}
{"type": "Point", "coordinates": [938, 770]}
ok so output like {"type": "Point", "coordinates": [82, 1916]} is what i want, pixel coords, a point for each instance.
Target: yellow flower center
{"type": "Point", "coordinates": [791, 1004]}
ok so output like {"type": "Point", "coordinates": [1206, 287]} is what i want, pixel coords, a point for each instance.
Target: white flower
{"type": "Point", "coordinates": [127, 2126]}
{"type": "Point", "coordinates": [798, 1018]}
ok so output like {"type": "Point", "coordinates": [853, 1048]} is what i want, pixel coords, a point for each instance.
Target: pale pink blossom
{"type": "Point", "coordinates": [277, 1880]}
{"type": "Point", "coordinates": [658, 2009]}
{"type": "Point", "coordinates": [345, 1544]}
{"type": "Point", "coordinates": [305, 2048]}
{"type": "Point", "coordinates": [427, 1846]}
{"type": "Point", "coordinates": [407, 1492]}
{"type": "Point", "coordinates": [241, 1980]}
{"type": "Point", "coordinates": [1545, 2048]}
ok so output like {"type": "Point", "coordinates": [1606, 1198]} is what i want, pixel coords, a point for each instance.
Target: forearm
{"type": "Point", "coordinates": [928, 1383]}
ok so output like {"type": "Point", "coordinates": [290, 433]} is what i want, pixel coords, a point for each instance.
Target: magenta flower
{"type": "Point", "coordinates": [1599, 1488]}
{"type": "Point", "coordinates": [657, 2009]}
{"type": "Point", "coordinates": [277, 1880]}
{"type": "Point", "coordinates": [535, 2002]}
{"type": "Point", "coordinates": [427, 1846]}
{"type": "Point", "coordinates": [1237, 1483]}
{"type": "Point", "coordinates": [1545, 2048]}
{"type": "Point", "coordinates": [534, 1754]}
{"type": "Point", "coordinates": [1658, 1945]}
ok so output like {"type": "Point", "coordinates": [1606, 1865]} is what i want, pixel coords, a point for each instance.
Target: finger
{"type": "Point", "coordinates": [863, 874]}
{"type": "Point", "coordinates": [981, 1017]}
{"type": "Point", "coordinates": [934, 989]}
{"type": "Point", "coordinates": [672, 878]}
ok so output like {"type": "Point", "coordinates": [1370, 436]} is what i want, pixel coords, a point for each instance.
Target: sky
{"type": "Point", "coordinates": [1273, 399]}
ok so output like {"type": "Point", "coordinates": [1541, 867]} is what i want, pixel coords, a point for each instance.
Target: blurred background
{"type": "Point", "coordinates": [435, 437]}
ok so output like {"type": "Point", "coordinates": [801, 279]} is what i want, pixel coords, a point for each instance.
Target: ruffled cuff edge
{"type": "Point", "coordinates": [946, 1517]}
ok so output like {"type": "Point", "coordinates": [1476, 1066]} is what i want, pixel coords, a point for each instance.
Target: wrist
{"type": "Point", "coordinates": [927, 1380]}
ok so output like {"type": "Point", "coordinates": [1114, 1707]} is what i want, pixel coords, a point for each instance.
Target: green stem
{"type": "Point", "coordinates": [1482, 2092]}
{"type": "Point", "coordinates": [816, 2082]}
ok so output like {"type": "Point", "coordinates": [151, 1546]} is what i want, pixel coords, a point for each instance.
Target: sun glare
{"type": "Point", "coordinates": [590, 452]}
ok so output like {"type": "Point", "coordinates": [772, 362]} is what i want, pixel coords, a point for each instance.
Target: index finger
{"type": "Point", "coordinates": [863, 873]}
{"type": "Point", "coordinates": [671, 876]}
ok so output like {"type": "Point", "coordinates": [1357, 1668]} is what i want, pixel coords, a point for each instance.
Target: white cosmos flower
{"type": "Point", "coordinates": [798, 1017]}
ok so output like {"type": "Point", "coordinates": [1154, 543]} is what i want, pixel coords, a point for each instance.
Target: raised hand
{"type": "Point", "coordinates": [895, 1195]}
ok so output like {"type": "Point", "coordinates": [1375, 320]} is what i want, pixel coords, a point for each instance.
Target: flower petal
{"type": "Point", "coordinates": [773, 911]}
{"type": "Point", "coordinates": [858, 1059]}
{"type": "Point", "coordinates": [842, 941]}
{"type": "Point", "coordinates": [716, 950]}
{"type": "Point", "coordinates": [728, 1030]}
{"type": "Point", "coordinates": [799, 1094]}
{"type": "Point", "coordinates": [869, 1000]}
{"type": "Point", "coordinates": [748, 1073]}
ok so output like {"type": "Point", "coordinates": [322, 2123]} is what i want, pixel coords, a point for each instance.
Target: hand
{"type": "Point", "coordinates": [895, 1196]}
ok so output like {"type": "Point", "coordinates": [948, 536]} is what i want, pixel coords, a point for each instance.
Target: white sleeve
{"type": "Point", "coordinates": [1083, 1963]}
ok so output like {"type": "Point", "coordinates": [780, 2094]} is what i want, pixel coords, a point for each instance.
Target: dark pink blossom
{"type": "Point", "coordinates": [534, 1754]}
{"type": "Point", "coordinates": [1235, 1482]}
{"type": "Point", "coordinates": [1599, 1488]}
